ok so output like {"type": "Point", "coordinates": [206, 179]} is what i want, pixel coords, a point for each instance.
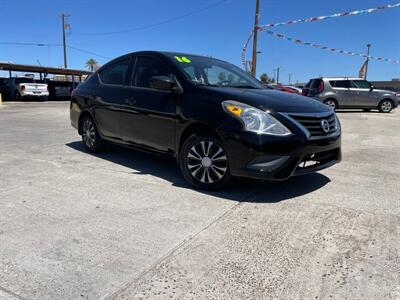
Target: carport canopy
{"type": "Point", "coordinates": [42, 70]}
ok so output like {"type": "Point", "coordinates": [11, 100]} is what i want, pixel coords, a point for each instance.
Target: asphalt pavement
{"type": "Point", "coordinates": [124, 225]}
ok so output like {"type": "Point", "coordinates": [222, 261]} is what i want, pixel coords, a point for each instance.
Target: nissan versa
{"type": "Point", "coordinates": [214, 118]}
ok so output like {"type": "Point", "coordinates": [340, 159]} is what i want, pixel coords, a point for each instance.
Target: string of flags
{"type": "Point", "coordinates": [265, 28]}
{"type": "Point", "coordinates": [322, 18]}
{"type": "Point", "coordinates": [300, 42]}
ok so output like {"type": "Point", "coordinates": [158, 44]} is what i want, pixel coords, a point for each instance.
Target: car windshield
{"type": "Point", "coordinates": [212, 72]}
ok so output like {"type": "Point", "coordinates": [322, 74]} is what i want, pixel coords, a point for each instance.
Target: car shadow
{"type": "Point", "coordinates": [349, 111]}
{"type": "Point", "coordinates": [240, 189]}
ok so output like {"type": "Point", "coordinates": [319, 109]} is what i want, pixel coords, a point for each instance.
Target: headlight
{"type": "Point", "coordinates": [254, 119]}
{"type": "Point", "coordinates": [337, 124]}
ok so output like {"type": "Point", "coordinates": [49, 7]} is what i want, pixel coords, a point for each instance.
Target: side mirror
{"type": "Point", "coordinates": [371, 88]}
{"type": "Point", "coordinates": [164, 83]}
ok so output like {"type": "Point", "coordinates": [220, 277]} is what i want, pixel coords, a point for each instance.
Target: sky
{"type": "Point", "coordinates": [218, 28]}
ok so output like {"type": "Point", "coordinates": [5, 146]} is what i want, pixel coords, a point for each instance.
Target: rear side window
{"type": "Point", "coordinates": [116, 73]}
{"type": "Point", "coordinates": [340, 83]}
{"type": "Point", "coordinates": [146, 68]}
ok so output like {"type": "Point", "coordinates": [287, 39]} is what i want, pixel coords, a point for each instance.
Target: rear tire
{"type": "Point", "coordinates": [385, 106]}
{"type": "Point", "coordinates": [91, 138]}
{"type": "Point", "coordinates": [204, 163]}
{"type": "Point", "coordinates": [16, 96]}
{"type": "Point", "coordinates": [332, 103]}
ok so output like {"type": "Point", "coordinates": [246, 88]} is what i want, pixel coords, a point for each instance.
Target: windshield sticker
{"type": "Point", "coordinates": [186, 60]}
{"type": "Point", "coordinates": [183, 59]}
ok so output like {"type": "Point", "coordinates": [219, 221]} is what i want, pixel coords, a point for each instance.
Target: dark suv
{"type": "Point", "coordinates": [214, 118]}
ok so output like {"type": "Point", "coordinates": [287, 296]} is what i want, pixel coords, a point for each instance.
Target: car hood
{"type": "Point", "coordinates": [384, 91]}
{"type": "Point", "coordinates": [271, 100]}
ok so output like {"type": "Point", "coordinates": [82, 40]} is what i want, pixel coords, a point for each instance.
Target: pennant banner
{"type": "Point", "coordinates": [322, 18]}
{"type": "Point", "coordinates": [300, 42]}
{"type": "Point", "coordinates": [266, 27]}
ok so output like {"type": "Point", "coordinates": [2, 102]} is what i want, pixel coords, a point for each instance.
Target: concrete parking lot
{"type": "Point", "coordinates": [124, 225]}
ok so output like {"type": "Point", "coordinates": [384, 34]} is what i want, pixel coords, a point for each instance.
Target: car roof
{"type": "Point", "coordinates": [338, 78]}
{"type": "Point", "coordinates": [168, 54]}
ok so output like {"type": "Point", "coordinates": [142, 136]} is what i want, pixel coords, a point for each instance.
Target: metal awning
{"type": "Point", "coordinates": [41, 69]}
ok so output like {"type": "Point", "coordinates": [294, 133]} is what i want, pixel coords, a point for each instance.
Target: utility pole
{"type": "Point", "coordinates": [290, 78]}
{"type": "Point", "coordinates": [277, 75]}
{"type": "Point", "coordinates": [366, 63]}
{"type": "Point", "coordinates": [256, 25]}
{"type": "Point", "coordinates": [64, 27]}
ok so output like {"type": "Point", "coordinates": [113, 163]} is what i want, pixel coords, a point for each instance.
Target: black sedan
{"type": "Point", "coordinates": [214, 118]}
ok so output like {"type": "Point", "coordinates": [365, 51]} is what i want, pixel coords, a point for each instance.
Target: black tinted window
{"type": "Point", "coordinates": [360, 84]}
{"type": "Point", "coordinates": [23, 80]}
{"type": "Point", "coordinates": [308, 84]}
{"type": "Point", "coordinates": [340, 83]}
{"type": "Point", "coordinates": [116, 73]}
{"type": "Point", "coordinates": [315, 84]}
{"type": "Point", "coordinates": [146, 68]}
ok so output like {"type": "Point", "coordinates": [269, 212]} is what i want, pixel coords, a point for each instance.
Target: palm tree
{"type": "Point", "coordinates": [91, 64]}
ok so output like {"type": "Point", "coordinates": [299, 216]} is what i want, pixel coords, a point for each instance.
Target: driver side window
{"type": "Point", "coordinates": [147, 67]}
{"type": "Point", "coordinates": [360, 84]}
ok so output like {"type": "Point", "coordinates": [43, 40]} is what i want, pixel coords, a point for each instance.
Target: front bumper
{"type": "Point", "coordinates": [278, 158]}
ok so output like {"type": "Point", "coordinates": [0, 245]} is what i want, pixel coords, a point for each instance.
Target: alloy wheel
{"type": "Point", "coordinates": [207, 162]}
{"type": "Point", "coordinates": [88, 133]}
{"type": "Point", "coordinates": [331, 103]}
{"type": "Point", "coordinates": [386, 106]}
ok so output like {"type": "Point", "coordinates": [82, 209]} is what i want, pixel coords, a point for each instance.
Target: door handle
{"type": "Point", "coordinates": [130, 101]}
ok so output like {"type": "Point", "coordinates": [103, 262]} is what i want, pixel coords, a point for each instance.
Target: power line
{"type": "Point", "coordinates": [54, 45]}
{"type": "Point", "coordinates": [154, 24]}
{"type": "Point", "coordinates": [88, 52]}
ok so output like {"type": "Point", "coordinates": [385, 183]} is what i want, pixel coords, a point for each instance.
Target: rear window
{"type": "Point", "coordinates": [24, 80]}
{"type": "Point", "coordinates": [340, 83]}
{"type": "Point", "coordinates": [315, 83]}
{"type": "Point", "coordinates": [308, 84]}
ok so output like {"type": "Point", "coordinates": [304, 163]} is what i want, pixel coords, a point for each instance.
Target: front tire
{"type": "Point", "coordinates": [91, 139]}
{"type": "Point", "coordinates": [204, 163]}
{"type": "Point", "coordinates": [385, 106]}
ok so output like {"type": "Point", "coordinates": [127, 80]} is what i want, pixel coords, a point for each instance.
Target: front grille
{"type": "Point", "coordinates": [313, 124]}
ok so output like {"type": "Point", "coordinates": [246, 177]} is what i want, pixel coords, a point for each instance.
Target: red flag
{"type": "Point", "coordinates": [363, 71]}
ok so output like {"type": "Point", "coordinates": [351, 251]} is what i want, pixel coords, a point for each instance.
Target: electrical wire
{"type": "Point", "coordinates": [151, 25]}
{"type": "Point", "coordinates": [54, 45]}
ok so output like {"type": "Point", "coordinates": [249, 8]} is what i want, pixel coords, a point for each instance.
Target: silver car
{"type": "Point", "coordinates": [343, 92]}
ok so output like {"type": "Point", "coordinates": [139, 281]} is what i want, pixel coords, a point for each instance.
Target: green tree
{"type": "Point", "coordinates": [91, 64]}
{"type": "Point", "coordinates": [265, 79]}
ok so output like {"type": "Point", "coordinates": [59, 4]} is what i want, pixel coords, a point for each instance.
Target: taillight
{"type": "Point", "coordinates": [22, 88]}
{"type": "Point", "coordinates": [321, 86]}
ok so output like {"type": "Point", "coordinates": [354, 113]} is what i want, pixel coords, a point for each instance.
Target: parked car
{"type": "Point", "coordinates": [283, 88]}
{"type": "Point", "coordinates": [2, 84]}
{"type": "Point", "coordinates": [181, 105]}
{"type": "Point", "coordinates": [18, 88]}
{"type": "Point", "coordinates": [297, 89]}
{"type": "Point", "coordinates": [343, 92]}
